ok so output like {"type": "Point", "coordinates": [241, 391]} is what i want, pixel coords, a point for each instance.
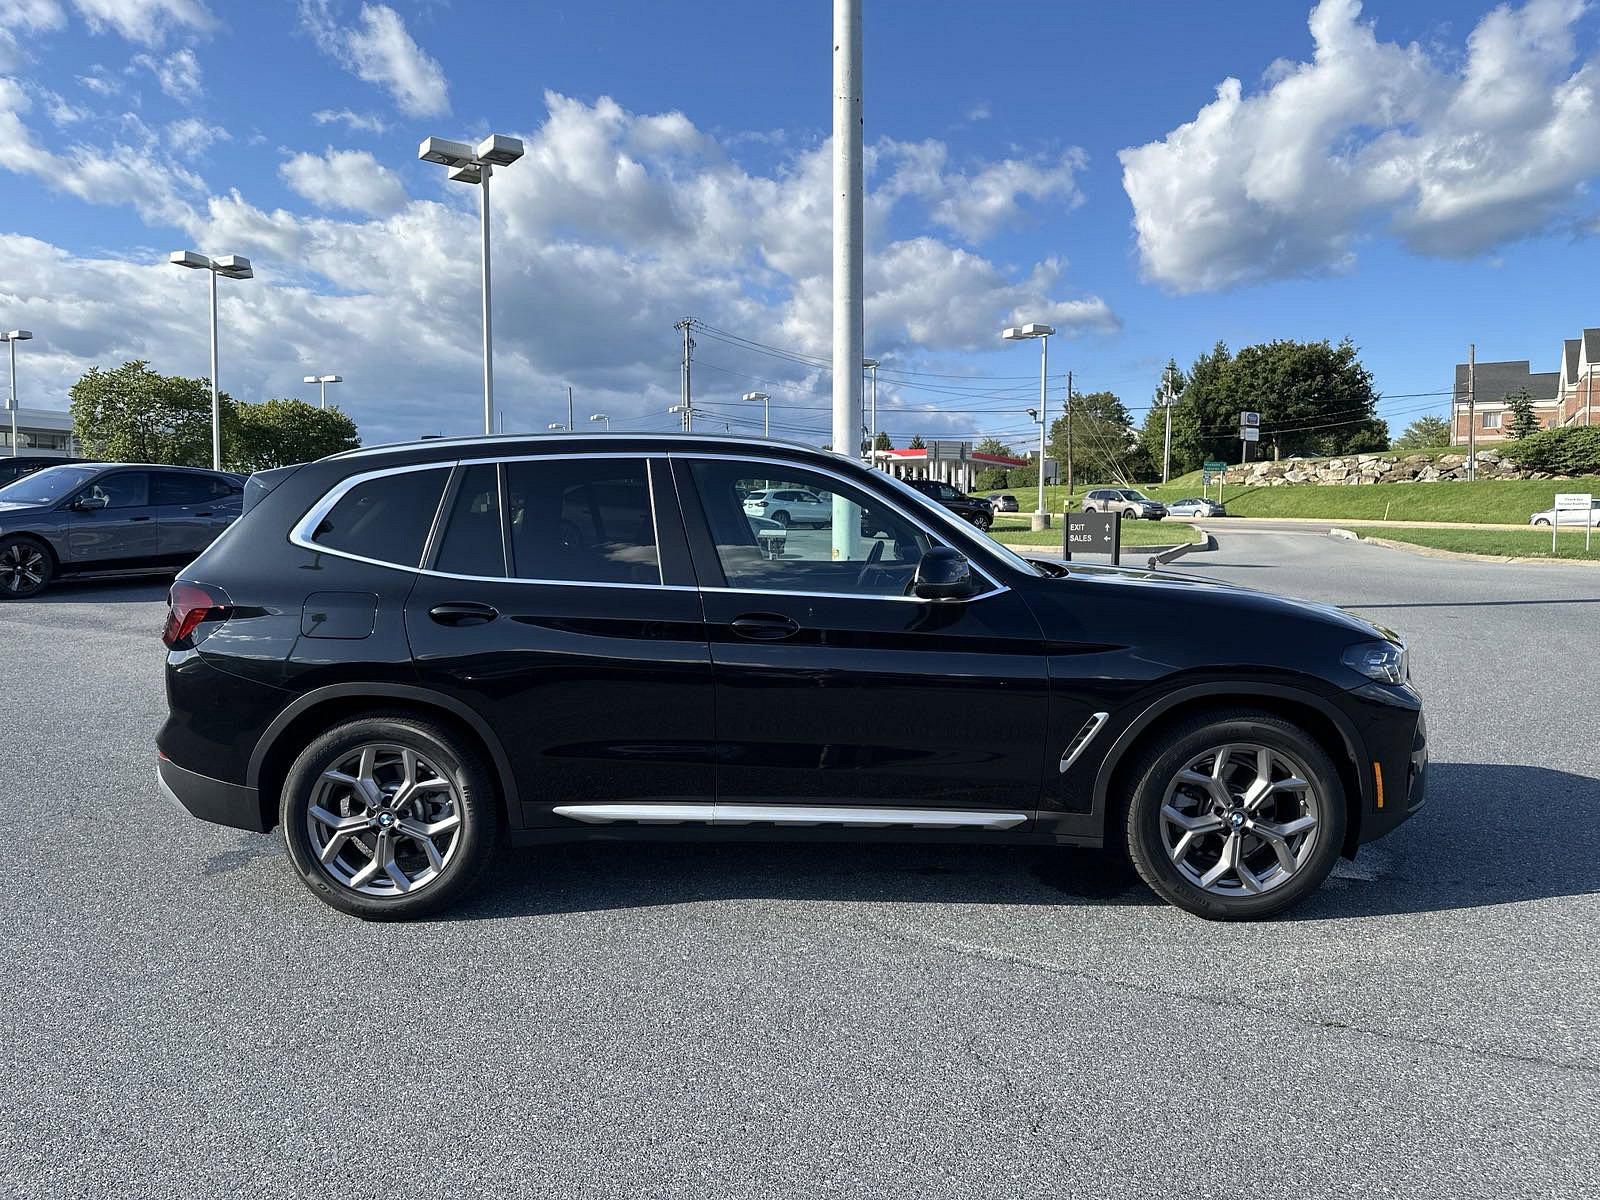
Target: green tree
{"type": "Point", "coordinates": [993, 445]}
{"type": "Point", "coordinates": [916, 443]}
{"type": "Point", "coordinates": [1523, 423]}
{"type": "Point", "coordinates": [1102, 438]}
{"type": "Point", "coordinates": [276, 433]}
{"type": "Point", "coordinates": [882, 442]}
{"type": "Point", "coordinates": [133, 414]}
{"type": "Point", "coordinates": [1424, 433]}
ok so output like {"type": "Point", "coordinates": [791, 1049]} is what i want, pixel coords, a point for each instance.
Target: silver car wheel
{"type": "Point", "coordinates": [22, 567]}
{"type": "Point", "coordinates": [384, 820]}
{"type": "Point", "coordinates": [1240, 819]}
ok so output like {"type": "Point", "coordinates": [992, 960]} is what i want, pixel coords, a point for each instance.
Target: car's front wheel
{"type": "Point", "coordinates": [983, 521]}
{"type": "Point", "coordinates": [1542, 522]}
{"type": "Point", "coordinates": [25, 567]}
{"type": "Point", "coordinates": [389, 816]}
{"type": "Point", "coordinates": [1235, 815]}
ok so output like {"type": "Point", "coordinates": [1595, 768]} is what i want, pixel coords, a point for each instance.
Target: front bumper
{"type": "Point", "coordinates": [210, 799]}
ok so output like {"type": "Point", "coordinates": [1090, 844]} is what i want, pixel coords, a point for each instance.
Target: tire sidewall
{"type": "Point", "coordinates": [479, 812]}
{"type": "Point", "coordinates": [1143, 824]}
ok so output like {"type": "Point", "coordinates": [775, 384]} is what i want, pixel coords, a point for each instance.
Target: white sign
{"type": "Point", "coordinates": [1249, 433]}
{"type": "Point", "coordinates": [1573, 502]}
{"type": "Point", "coordinates": [1249, 418]}
{"type": "Point", "coordinates": [1566, 501]}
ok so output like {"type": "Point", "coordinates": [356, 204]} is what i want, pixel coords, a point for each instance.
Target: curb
{"type": "Point", "coordinates": [1459, 555]}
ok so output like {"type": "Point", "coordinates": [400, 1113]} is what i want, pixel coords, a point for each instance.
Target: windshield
{"type": "Point", "coordinates": [1130, 494]}
{"type": "Point", "coordinates": [967, 533]}
{"type": "Point", "coordinates": [46, 486]}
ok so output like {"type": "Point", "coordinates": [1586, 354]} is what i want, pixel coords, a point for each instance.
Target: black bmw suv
{"type": "Point", "coordinates": [403, 655]}
{"type": "Point", "coordinates": [971, 508]}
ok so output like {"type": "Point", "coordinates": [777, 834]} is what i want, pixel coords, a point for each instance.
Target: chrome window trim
{"type": "Point", "coordinates": [995, 586]}
{"type": "Point", "coordinates": [300, 535]}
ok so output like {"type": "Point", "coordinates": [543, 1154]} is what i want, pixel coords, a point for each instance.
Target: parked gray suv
{"type": "Point", "coordinates": [1132, 504]}
{"type": "Point", "coordinates": [94, 517]}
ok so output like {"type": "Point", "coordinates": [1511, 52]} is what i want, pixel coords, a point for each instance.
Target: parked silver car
{"type": "Point", "coordinates": [1196, 506]}
{"type": "Point", "coordinates": [94, 517]}
{"type": "Point", "coordinates": [1569, 516]}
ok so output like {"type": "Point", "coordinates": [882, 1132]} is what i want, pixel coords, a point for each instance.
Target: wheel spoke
{"type": "Point", "coordinates": [386, 847]}
{"type": "Point", "coordinates": [337, 823]}
{"type": "Point", "coordinates": [1228, 861]}
{"type": "Point", "coordinates": [419, 835]}
{"type": "Point", "coordinates": [367, 873]}
{"type": "Point", "coordinates": [335, 844]}
{"type": "Point", "coordinates": [1280, 845]}
{"type": "Point", "coordinates": [1199, 823]}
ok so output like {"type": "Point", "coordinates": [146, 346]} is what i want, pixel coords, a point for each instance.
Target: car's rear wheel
{"type": "Point", "coordinates": [782, 518]}
{"type": "Point", "coordinates": [389, 817]}
{"type": "Point", "coordinates": [1235, 815]}
{"type": "Point", "coordinates": [25, 567]}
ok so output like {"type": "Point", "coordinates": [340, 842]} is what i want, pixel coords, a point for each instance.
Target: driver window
{"type": "Point", "coordinates": [126, 489]}
{"type": "Point", "coordinates": [767, 542]}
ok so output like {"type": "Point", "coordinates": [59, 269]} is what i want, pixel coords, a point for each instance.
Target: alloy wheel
{"type": "Point", "coordinates": [1240, 819]}
{"type": "Point", "coordinates": [384, 820]}
{"type": "Point", "coordinates": [22, 568]}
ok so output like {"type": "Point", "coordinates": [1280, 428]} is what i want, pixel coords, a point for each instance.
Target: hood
{"type": "Point", "coordinates": [14, 508]}
{"type": "Point", "coordinates": [1242, 600]}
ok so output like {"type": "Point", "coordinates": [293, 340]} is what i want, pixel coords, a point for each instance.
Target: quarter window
{"type": "Point", "coordinates": [763, 546]}
{"type": "Point", "coordinates": [386, 518]}
{"type": "Point", "coordinates": [584, 520]}
{"type": "Point", "coordinates": [472, 542]}
{"type": "Point", "coordinates": [179, 487]}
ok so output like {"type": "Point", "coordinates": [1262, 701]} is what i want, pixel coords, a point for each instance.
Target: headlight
{"type": "Point", "coordinates": [1387, 662]}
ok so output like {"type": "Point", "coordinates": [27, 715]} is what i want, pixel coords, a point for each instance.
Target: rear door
{"type": "Point", "coordinates": [559, 602]}
{"type": "Point", "coordinates": [191, 510]}
{"type": "Point", "coordinates": [120, 530]}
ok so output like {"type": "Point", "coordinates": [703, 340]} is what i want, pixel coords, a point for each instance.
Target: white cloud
{"type": "Point", "coordinates": [32, 16]}
{"type": "Point", "coordinates": [378, 49]}
{"type": "Point", "coordinates": [977, 204]}
{"type": "Point", "coordinates": [192, 137]}
{"type": "Point", "coordinates": [99, 81]}
{"type": "Point", "coordinates": [613, 219]}
{"type": "Point", "coordinates": [347, 179]}
{"type": "Point", "coordinates": [146, 21]}
{"type": "Point", "coordinates": [177, 73]}
{"type": "Point", "coordinates": [1454, 158]}
{"type": "Point", "coordinates": [354, 121]}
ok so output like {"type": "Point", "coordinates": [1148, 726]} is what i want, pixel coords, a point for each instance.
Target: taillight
{"type": "Point", "coordinates": [190, 606]}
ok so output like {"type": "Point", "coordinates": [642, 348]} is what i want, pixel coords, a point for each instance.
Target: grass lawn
{"type": "Point", "coordinates": [1489, 501]}
{"type": "Point", "coordinates": [1134, 533]}
{"type": "Point", "coordinates": [1518, 544]}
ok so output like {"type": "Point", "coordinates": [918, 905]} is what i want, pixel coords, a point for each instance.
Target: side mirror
{"type": "Point", "coordinates": [942, 574]}
{"type": "Point", "coordinates": [88, 503]}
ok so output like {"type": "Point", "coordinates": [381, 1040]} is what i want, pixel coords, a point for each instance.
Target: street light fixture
{"type": "Point", "coordinates": [469, 164]}
{"type": "Point", "coordinates": [229, 266]}
{"type": "Point", "coordinates": [686, 412]}
{"type": "Point", "coordinates": [766, 411]}
{"type": "Point", "coordinates": [871, 364]}
{"type": "Point", "coordinates": [1023, 333]}
{"type": "Point", "coordinates": [324, 381]}
{"type": "Point", "coordinates": [12, 338]}
{"type": "Point", "coordinates": [606, 417]}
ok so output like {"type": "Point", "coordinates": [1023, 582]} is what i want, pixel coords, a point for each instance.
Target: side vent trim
{"type": "Point", "coordinates": [1080, 742]}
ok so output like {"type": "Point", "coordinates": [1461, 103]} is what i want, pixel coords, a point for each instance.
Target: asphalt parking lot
{"type": "Point", "coordinates": [182, 1019]}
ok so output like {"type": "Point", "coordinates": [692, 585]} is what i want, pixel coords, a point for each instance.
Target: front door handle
{"type": "Point", "coordinates": [764, 627]}
{"type": "Point", "coordinates": [463, 612]}
{"type": "Point", "coordinates": [138, 518]}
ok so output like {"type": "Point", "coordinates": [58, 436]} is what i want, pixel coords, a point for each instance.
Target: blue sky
{"type": "Point", "coordinates": [1412, 175]}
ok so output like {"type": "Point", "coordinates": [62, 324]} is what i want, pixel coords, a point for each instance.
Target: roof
{"type": "Point", "coordinates": [1569, 357]}
{"type": "Point", "coordinates": [1494, 381]}
{"type": "Point", "coordinates": [1591, 346]}
{"type": "Point", "coordinates": [547, 442]}
{"type": "Point", "coordinates": [1000, 460]}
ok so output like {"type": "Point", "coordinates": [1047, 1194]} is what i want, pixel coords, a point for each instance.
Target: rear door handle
{"type": "Point", "coordinates": [764, 627]}
{"type": "Point", "coordinates": [207, 513]}
{"type": "Point", "coordinates": [463, 612]}
{"type": "Point", "coordinates": [138, 518]}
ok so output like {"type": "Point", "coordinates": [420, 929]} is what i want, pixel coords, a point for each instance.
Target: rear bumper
{"type": "Point", "coordinates": [210, 799]}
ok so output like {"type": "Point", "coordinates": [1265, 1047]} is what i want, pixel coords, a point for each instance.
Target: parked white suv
{"type": "Point", "coordinates": [1133, 505]}
{"type": "Point", "coordinates": [790, 506]}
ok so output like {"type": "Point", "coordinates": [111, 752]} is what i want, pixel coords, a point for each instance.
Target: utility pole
{"type": "Point", "coordinates": [571, 428]}
{"type": "Point", "coordinates": [686, 392]}
{"type": "Point", "coordinates": [1166, 446]}
{"type": "Point", "coordinates": [849, 334]}
{"type": "Point", "coordinates": [1472, 408]}
{"type": "Point", "coordinates": [1067, 504]}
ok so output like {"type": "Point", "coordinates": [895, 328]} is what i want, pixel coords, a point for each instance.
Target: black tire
{"type": "Point", "coordinates": [1177, 747]}
{"type": "Point", "coordinates": [478, 802]}
{"type": "Point", "coordinates": [1542, 523]}
{"type": "Point", "coordinates": [983, 522]}
{"type": "Point", "coordinates": [782, 518]}
{"type": "Point", "coordinates": [1130, 514]}
{"type": "Point", "coordinates": [26, 567]}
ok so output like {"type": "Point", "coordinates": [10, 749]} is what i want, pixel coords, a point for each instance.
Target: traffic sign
{"type": "Point", "coordinates": [1098, 533]}
{"type": "Point", "coordinates": [1572, 502]}
{"type": "Point", "coordinates": [1249, 433]}
{"type": "Point", "coordinates": [1250, 418]}
{"type": "Point", "coordinates": [1214, 468]}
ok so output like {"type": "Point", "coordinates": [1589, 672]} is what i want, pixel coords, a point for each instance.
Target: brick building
{"type": "Point", "coordinates": [1559, 397]}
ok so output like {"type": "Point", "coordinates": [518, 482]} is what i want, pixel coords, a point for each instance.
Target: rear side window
{"type": "Point", "coordinates": [179, 487]}
{"type": "Point", "coordinates": [584, 520]}
{"type": "Point", "coordinates": [471, 543]}
{"type": "Point", "coordinates": [386, 518]}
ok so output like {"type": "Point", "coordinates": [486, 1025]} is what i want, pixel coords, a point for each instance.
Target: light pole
{"type": "Point", "coordinates": [685, 412]}
{"type": "Point", "coordinates": [606, 417]}
{"type": "Point", "coordinates": [323, 381]}
{"type": "Point", "coordinates": [871, 364]}
{"type": "Point", "coordinates": [229, 266]}
{"type": "Point", "coordinates": [1166, 445]}
{"type": "Point", "coordinates": [1022, 333]}
{"type": "Point", "coordinates": [12, 338]}
{"type": "Point", "coordinates": [766, 411]}
{"type": "Point", "coordinates": [468, 164]}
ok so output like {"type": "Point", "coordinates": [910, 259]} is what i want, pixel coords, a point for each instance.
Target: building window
{"type": "Point", "coordinates": [1491, 420]}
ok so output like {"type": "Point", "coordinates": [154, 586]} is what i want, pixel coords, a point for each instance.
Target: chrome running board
{"type": "Point", "coordinates": [1080, 743]}
{"type": "Point", "coordinates": [789, 816]}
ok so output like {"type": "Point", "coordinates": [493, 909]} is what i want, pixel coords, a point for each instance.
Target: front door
{"type": "Point", "coordinates": [833, 686]}
{"type": "Point", "coordinates": [559, 603]}
{"type": "Point", "coordinates": [111, 523]}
